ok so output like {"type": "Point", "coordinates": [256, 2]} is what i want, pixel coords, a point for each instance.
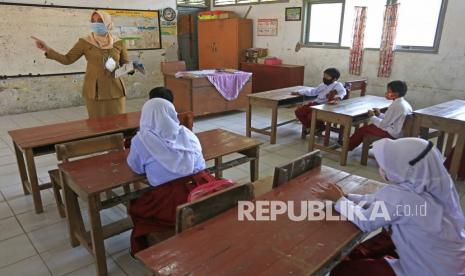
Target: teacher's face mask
{"type": "Point", "coordinates": [98, 28]}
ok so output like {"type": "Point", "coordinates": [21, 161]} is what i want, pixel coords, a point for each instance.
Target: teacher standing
{"type": "Point", "coordinates": [103, 94]}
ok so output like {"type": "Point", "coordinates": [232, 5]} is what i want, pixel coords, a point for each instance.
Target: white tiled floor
{"type": "Point", "coordinates": [32, 244]}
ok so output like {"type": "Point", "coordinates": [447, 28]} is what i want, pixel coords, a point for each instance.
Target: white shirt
{"type": "Point", "coordinates": [393, 120]}
{"type": "Point", "coordinates": [420, 251]}
{"type": "Point", "coordinates": [322, 90]}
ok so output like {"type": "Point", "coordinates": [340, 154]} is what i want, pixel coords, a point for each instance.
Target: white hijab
{"type": "Point", "coordinates": [427, 177]}
{"type": "Point", "coordinates": [174, 146]}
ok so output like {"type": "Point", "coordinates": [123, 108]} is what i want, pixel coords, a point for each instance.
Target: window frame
{"type": "Point", "coordinates": [397, 48]}
{"type": "Point", "coordinates": [207, 5]}
{"type": "Point", "coordinates": [437, 37]}
{"type": "Point", "coordinates": [306, 25]}
{"type": "Point", "coordinates": [247, 4]}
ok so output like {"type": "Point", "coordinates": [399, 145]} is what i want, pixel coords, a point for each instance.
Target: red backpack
{"type": "Point", "coordinates": [211, 185]}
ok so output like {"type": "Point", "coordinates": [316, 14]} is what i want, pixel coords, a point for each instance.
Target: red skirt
{"type": "Point", "coordinates": [155, 210]}
{"type": "Point", "coordinates": [368, 258]}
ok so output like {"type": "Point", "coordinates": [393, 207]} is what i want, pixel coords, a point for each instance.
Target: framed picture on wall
{"type": "Point", "coordinates": [293, 14]}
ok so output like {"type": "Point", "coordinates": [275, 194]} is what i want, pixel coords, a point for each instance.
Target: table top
{"type": "Point", "coordinates": [278, 94]}
{"type": "Point", "coordinates": [453, 110]}
{"type": "Point", "coordinates": [271, 65]}
{"type": "Point", "coordinates": [73, 130]}
{"type": "Point", "coordinates": [355, 107]}
{"type": "Point", "coordinates": [225, 246]}
{"type": "Point", "coordinates": [220, 142]}
{"type": "Point", "coordinates": [107, 171]}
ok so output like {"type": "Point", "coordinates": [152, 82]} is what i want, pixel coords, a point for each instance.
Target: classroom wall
{"type": "Point", "coordinates": [432, 78]}
{"type": "Point", "coordinates": [27, 94]}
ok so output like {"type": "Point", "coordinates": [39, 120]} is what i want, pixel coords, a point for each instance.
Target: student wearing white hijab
{"type": "Point", "coordinates": [171, 157]}
{"type": "Point", "coordinates": [163, 149]}
{"type": "Point", "coordinates": [428, 243]}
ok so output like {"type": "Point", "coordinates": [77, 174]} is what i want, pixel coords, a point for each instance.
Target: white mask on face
{"type": "Point", "coordinates": [383, 174]}
{"type": "Point", "coordinates": [110, 64]}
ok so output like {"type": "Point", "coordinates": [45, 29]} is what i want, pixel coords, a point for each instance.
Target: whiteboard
{"type": "Point", "coordinates": [60, 28]}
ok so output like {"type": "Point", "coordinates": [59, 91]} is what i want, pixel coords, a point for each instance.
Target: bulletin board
{"type": "Point", "coordinates": [267, 27]}
{"type": "Point", "coordinates": [61, 27]}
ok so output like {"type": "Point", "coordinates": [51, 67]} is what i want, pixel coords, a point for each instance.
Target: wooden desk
{"type": "Point", "coordinates": [448, 117]}
{"type": "Point", "coordinates": [225, 246]}
{"type": "Point", "coordinates": [271, 99]}
{"type": "Point", "coordinates": [88, 178]}
{"type": "Point", "coordinates": [198, 95]}
{"type": "Point", "coordinates": [282, 75]}
{"type": "Point", "coordinates": [35, 141]}
{"type": "Point", "coordinates": [346, 113]}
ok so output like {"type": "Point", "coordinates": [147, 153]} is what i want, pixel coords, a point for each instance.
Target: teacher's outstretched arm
{"type": "Point", "coordinates": [71, 57]}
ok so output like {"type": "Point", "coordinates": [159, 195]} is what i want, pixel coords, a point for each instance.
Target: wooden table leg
{"type": "Point", "coordinates": [255, 154]}
{"type": "Point", "coordinates": [218, 162]}
{"type": "Point", "coordinates": [96, 231]}
{"type": "Point", "coordinates": [248, 120]}
{"type": "Point", "coordinates": [73, 213]}
{"type": "Point", "coordinates": [456, 158]}
{"type": "Point", "coordinates": [33, 181]}
{"type": "Point", "coordinates": [345, 143]}
{"type": "Point", "coordinates": [22, 168]}
{"type": "Point", "coordinates": [274, 122]}
{"type": "Point", "coordinates": [311, 141]}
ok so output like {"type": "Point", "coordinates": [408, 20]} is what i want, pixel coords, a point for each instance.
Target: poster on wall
{"type": "Point", "coordinates": [267, 27]}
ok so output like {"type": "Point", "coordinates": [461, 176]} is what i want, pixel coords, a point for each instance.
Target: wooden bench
{"type": "Point", "coordinates": [81, 148]}
{"type": "Point", "coordinates": [193, 213]}
{"type": "Point", "coordinates": [296, 167]}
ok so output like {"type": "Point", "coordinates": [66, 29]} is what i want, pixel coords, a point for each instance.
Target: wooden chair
{"type": "Point", "coordinates": [354, 85]}
{"type": "Point", "coordinates": [296, 167]}
{"type": "Point", "coordinates": [172, 67]}
{"type": "Point", "coordinates": [81, 148]}
{"type": "Point", "coordinates": [407, 128]}
{"type": "Point", "coordinates": [186, 119]}
{"type": "Point", "coordinates": [193, 213]}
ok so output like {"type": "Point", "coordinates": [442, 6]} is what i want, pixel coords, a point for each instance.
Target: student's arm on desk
{"type": "Point", "coordinates": [371, 211]}
{"type": "Point", "coordinates": [307, 91]}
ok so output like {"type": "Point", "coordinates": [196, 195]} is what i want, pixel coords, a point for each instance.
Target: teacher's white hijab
{"type": "Point", "coordinates": [174, 146]}
{"type": "Point", "coordinates": [415, 165]}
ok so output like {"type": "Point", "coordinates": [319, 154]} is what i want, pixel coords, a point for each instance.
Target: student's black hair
{"type": "Point", "coordinates": [399, 87]}
{"type": "Point", "coordinates": [333, 72]}
{"type": "Point", "coordinates": [161, 92]}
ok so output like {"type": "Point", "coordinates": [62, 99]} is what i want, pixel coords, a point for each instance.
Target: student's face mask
{"type": "Point", "coordinates": [327, 82]}
{"type": "Point", "coordinates": [382, 173]}
{"type": "Point", "coordinates": [98, 28]}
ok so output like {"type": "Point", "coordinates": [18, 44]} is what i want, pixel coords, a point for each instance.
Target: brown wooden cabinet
{"type": "Point", "coordinates": [222, 42]}
{"type": "Point", "coordinates": [271, 77]}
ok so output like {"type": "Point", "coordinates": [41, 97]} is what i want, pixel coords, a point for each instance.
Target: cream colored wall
{"type": "Point", "coordinates": [41, 93]}
{"type": "Point", "coordinates": [432, 78]}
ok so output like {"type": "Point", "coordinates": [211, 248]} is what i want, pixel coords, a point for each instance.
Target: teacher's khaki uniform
{"type": "Point", "coordinates": [103, 94]}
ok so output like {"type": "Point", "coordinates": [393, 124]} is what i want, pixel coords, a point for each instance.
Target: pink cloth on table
{"type": "Point", "coordinates": [229, 84]}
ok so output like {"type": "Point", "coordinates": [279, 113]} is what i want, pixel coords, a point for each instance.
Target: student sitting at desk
{"type": "Point", "coordinates": [157, 92]}
{"type": "Point", "coordinates": [431, 242]}
{"type": "Point", "coordinates": [389, 124]}
{"type": "Point", "coordinates": [329, 91]}
{"type": "Point", "coordinates": [168, 154]}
